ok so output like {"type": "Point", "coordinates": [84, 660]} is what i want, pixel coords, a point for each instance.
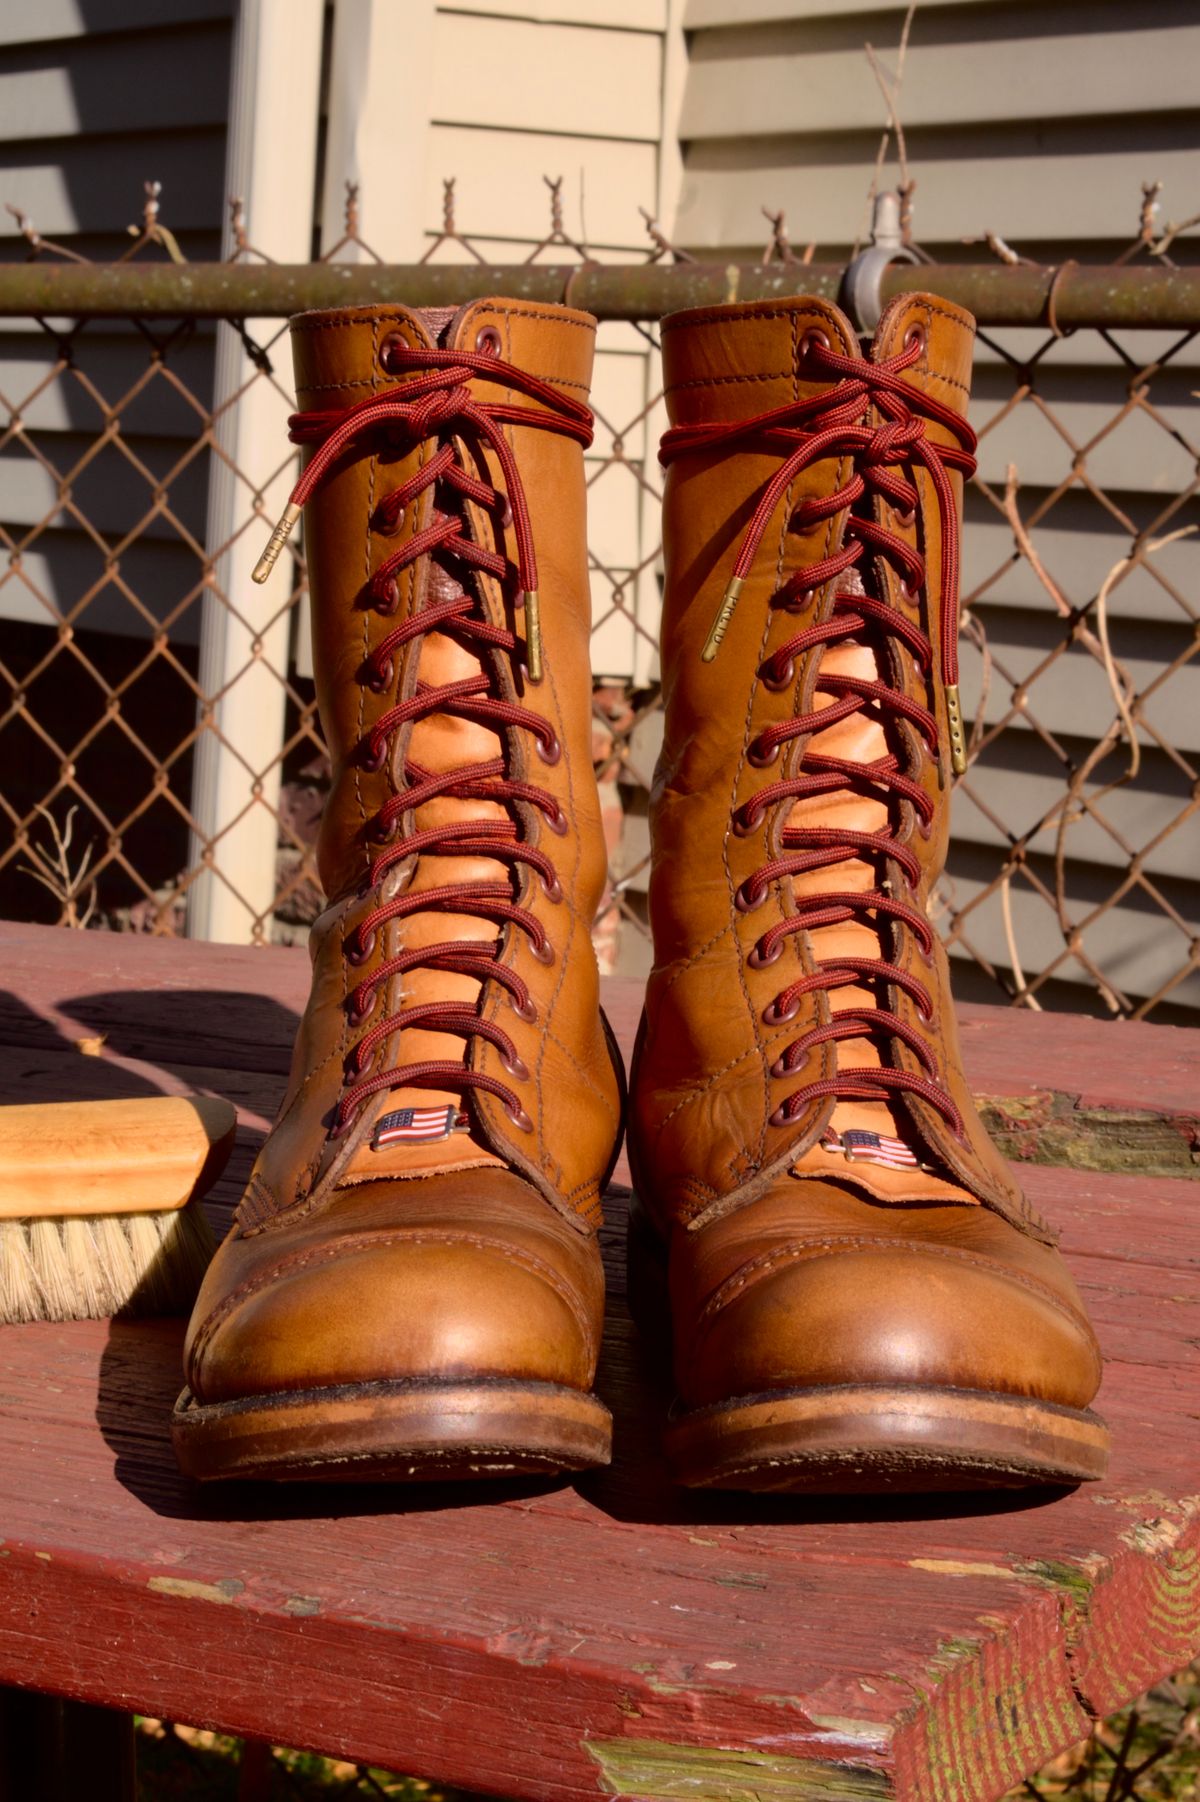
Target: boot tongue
{"type": "Point", "coordinates": [872, 1145]}
{"type": "Point", "coordinates": [437, 322]}
{"type": "Point", "coordinates": [436, 744]}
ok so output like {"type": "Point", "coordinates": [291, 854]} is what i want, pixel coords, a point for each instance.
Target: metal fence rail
{"type": "Point", "coordinates": [154, 691]}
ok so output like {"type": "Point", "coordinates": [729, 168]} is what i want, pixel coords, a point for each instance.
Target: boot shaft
{"type": "Point", "coordinates": [800, 808]}
{"type": "Point", "coordinates": [352, 535]}
{"type": "Point", "coordinates": [455, 996]}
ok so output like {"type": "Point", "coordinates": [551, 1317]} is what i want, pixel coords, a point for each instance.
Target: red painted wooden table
{"type": "Point", "coordinates": [613, 1636]}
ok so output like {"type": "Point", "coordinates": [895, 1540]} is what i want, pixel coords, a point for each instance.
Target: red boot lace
{"type": "Point", "coordinates": [823, 426]}
{"type": "Point", "coordinates": [438, 403]}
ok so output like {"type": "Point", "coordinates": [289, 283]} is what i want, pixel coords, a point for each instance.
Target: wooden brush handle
{"type": "Point", "coordinates": [111, 1157]}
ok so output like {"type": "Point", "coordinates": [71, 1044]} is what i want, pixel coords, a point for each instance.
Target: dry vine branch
{"type": "Point", "coordinates": [53, 870]}
{"type": "Point", "coordinates": [891, 94]}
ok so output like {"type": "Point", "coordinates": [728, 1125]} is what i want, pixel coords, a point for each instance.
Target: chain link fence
{"type": "Point", "coordinates": [164, 770]}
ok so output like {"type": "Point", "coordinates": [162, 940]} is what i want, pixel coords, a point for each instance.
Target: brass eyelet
{"type": "Point", "coordinates": [360, 1017]}
{"type": "Point", "coordinates": [749, 903]}
{"type": "Point", "coordinates": [552, 888]}
{"type": "Point", "coordinates": [916, 335]}
{"type": "Point", "coordinates": [747, 820]}
{"type": "Point", "coordinates": [558, 822]}
{"type": "Point", "coordinates": [782, 1115]}
{"type": "Point", "coordinates": [781, 1068]}
{"type": "Point", "coordinates": [360, 950]}
{"type": "Point", "coordinates": [543, 953]}
{"type": "Point", "coordinates": [784, 679]}
{"type": "Point", "coordinates": [813, 339]}
{"type": "Point", "coordinates": [487, 341]}
{"type": "Point", "coordinates": [524, 1010]}
{"type": "Point", "coordinates": [386, 604]}
{"type": "Point", "coordinates": [392, 342]}
{"type": "Point", "coordinates": [763, 757]}
{"type": "Point", "coordinates": [772, 1015]}
{"type": "Point", "coordinates": [371, 760]}
{"type": "Point", "coordinates": [549, 753]}
{"type": "Point", "coordinates": [381, 676]}
{"type": "Point", "coordinates": [760, 960]}
{"type": "Point", "coordinates": [519, 1117]}
{"type": "Point", "coordinates": [515, 1065]}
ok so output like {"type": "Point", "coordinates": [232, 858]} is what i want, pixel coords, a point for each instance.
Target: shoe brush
{"type": "Point", "coordinates": [100, 1205]}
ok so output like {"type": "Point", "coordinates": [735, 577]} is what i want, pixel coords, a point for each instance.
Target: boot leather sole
{"type": "Point", "coordinates": [872, 1438]}
{"type": "Point", "coordinates": [402, 1431]}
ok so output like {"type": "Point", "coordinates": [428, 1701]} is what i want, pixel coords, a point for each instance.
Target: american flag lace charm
{"type": "Point", "coordinates": [860, 1147]}
{"type": "Point", "coordinates": [417, 1126]}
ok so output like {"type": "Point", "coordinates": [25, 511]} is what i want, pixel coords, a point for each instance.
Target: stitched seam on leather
{"type": "Point", "coordinates": [328, 1253]}
{"type": "Point", "coordinates": [810, 1250]}
{"type": "Point", "coordinates": [593, 1087]}
{"type": "Point", "coordinates": [710, 1077]}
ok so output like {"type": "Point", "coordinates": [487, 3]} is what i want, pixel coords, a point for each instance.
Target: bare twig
{"type": "Point", "coordinates": [891, 94]}
{"type": "Point", "coordinates": [53, 870]}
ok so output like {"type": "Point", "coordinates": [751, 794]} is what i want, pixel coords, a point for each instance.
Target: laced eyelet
{"type": "Point", "coordinates": [543, 953]}
{"type": "Point", "coordinates": [762, 757]}
{"type": "Point", "coordinates": [386, 604]}
{"type": "Point", "coordinates": [813, 339]}
{"type": "Point", "coordinates": [906, 593]}
{"type": "Point", "coordinates": [906, 518]}
{"type": "Point", "coordinates": [487, 341]}
{"type": "Point", "coordinates": [359, 1017]}
{"type": "Point", "coordinates": [782, 1115]}
{"type": "Point", "coordinates": [515, 1065]}
{"type": "Point", "coordinates": [359, 950]}
{"type": "Point", "coordinates": [524, 1010]}
{"type": "Point", "coordinates": [760, 960]}
{"type": "Point", "coordinates": [558, 822]}
{"type": "Point", "coordinates": [916, 335]}
{"type": "Point", "coordinates": [392, 342]}
{"type": "Point", "coordinates": [773, 1016]}
{"type": "Point", "coordinates": [552, 889]}
{"type": "Point", "coordinates": [340, 1128]}
{"type": "Point", "coordinates": [747, 821]}
{"type": "Point", "coordinates": [549, 753]}
{"type": "Point", "coordinates": [383, 832]}
{"type": "Point", "coordinates": [799, 603]}
{"type": "Point", "coordinates": [372, 760]}
{"type": "Point", "coordinates": [781, 1068]}
{"type": "Point", "coordinates": [748, 903]}
{"type": "Point", "coordinates": [784, 679]}
{"type": "Point", "coordinates": [381, 676]}
{"type": "Point", "coordinates": [506, 518]}
{"type": "Point", "coordinates": [925, 1015]}
{"type": "Point", "coordinates": [519, 1117]}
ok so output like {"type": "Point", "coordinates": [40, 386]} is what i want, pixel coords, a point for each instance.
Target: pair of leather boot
{"type": "Point", "coordinates": [860, 1297]}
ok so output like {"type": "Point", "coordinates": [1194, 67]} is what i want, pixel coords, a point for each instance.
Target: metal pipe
{"type": "Point", "coordinates": [1139, 295]}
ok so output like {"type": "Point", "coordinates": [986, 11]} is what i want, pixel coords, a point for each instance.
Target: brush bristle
{"type": "Point", "coordinates": [89, 1268]}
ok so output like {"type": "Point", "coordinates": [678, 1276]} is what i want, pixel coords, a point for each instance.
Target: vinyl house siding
{"type": "Point", "coordinates": [1038, 122]}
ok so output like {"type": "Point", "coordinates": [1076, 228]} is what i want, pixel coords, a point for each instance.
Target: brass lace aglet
{"type": "Point", "coordinates": [533, 633]}
{"type": "Point", "coordinates": [954, 720]}
{"type": "Point", "coordinates": [275, 543]}
{"type": "Point", "coordinates": [721, 623]}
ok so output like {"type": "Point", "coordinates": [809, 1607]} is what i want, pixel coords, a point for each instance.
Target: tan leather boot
{"type": "Point", "coordinates": [861, 1296]}
{"type": "Point", "coordinates": [412, 1286]}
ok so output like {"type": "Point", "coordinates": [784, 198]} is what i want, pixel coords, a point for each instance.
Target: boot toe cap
{"type": "Point", "coordinates": [811, 1316]}
{"type": "Point", "coordinates": [443, 1301]}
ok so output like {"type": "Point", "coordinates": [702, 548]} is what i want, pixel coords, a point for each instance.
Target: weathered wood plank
{"type": "Point", "coordinates": [617, 1635]}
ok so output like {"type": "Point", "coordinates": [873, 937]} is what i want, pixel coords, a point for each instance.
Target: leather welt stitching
{"type": "Point", "coordinates": [807, 1251]}
{"type": "Point", "coordinates": [326, 1254]}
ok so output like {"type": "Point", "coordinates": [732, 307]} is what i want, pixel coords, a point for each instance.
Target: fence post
{"type": "Point", "coordinates": [245, 632]}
